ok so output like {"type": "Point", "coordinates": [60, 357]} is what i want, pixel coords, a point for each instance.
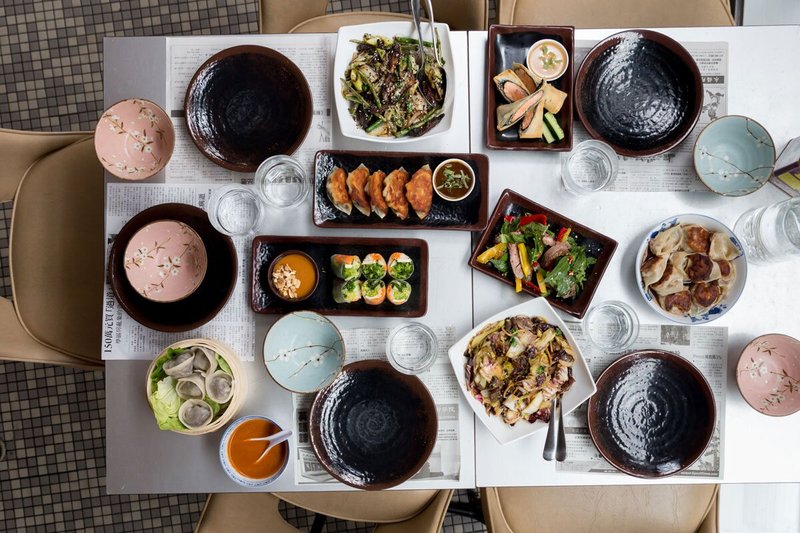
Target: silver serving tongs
{"type": "Point", "coordinates": [415, 12]}
{"type": "Point", "coordinates": [434, 35]}
{"type": "Point", "coordinates": [555, 446]}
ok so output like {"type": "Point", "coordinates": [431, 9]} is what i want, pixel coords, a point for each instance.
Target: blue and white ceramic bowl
{"type": "Point", "coordinates": [303, 352]}
{"type": "Point", "coordinates": [224, 460]}
{"type": "Point", "coordinates": [734, 155]}
{"type": "Point", "coordinates": [734, 289]}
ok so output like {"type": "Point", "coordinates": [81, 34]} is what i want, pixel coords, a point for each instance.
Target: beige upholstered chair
{"type": "Point", "coordinates": [416, 511]}
{"type": "Point", "coordinates": [56, 251]}
{"type": "Point", "coordinates": [621, 509]}
{"type": "Point", "coordinates": [308, 16]}
{"type": "Point", "coordinates": [616, 13]}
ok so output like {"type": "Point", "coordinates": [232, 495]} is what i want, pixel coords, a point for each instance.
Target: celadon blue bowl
{"type": "Point", "coordinates": [303, 352]}
{"type": "Point", "coordinates": [734, 155]}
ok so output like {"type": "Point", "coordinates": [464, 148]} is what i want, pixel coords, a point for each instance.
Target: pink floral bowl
{"type": "Point", "coordinates": [134, 139]}
{"type": "Point", "coordinates": [165, 261]}
{"type": "Point", "coordinates": [768, 374]}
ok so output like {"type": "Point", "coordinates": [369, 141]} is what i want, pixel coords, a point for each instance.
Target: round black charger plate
{"type": "Point", "coordinates": [373, 427]}
{"type": "Point", "coordinates": [245, 104]}
{"type": "Point", "coordinates": [653, 414]}
{"type": "Point", "coordinates": [640, 91]}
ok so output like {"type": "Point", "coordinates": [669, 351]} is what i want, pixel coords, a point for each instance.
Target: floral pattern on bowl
{"type": "Point", "coordinates": [165, 261]}
{"type": "Point", "coordinates": [768, 374]}
{"type": "Point", "coordinates": [134, 139]}
{"type": "Point", "coordinates": [304, 352]}
{"type": "Point", "coordinates": [734, 155]}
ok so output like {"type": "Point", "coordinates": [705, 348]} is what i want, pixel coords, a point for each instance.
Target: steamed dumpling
{"type": "Point", "coordinates": [205, 360]}
{"type": "Point", "coordinates": [653, 268]}
{"type": "Point", "coordinates": [671, 282]}
{"type": "Point", "coordinates": [722, 248]}
{"type": "Point", "coordinates": [192, 387]}
{"type": "Point", "coordinates": [667, 241]}
{"type": "Point", "coordinates": [181, 366]}
{"type": "Point", "coordinates": [195, 414]}
{"type": "Point", "coordinates": [219, 386]}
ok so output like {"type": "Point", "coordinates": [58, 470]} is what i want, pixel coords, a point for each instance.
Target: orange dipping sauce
{"type": "Point", "coordinates": [304, 270]}
{"type": "Point", "coordinates": [243, 455]}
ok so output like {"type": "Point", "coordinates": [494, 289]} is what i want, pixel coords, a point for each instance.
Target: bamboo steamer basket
{"type": "Point", "coordinates": [239, 382]}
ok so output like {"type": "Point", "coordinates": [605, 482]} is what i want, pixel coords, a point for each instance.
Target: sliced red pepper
{"type": "Point", "coordinates": [509, 218]}
{"type": "Point", "coordinates": [527, 219]}
{"type": "Point", "coordinates": [561, 233]}
{"type": "Point", "coordinates": [532, 286]}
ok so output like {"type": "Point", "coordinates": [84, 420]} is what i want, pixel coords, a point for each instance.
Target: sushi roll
{"type": "Point", "coordinates": [374, 266]}
{"type": "Point", "coordinates": [346, 266]}
{"type": "Point", "coordinates": [398, 291]}
{"type": "Point", "coordinates": [374, 291]}
{"type": "Point", "coordinates": [345, 292]}
{"type": "Point", "coordinates": [400, 266]}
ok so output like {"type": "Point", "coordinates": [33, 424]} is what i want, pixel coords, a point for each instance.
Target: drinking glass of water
{"type": "Point", "coordinates": [281, 182]}
{"type": "Point", "coordinates": [234, 209]}
{"type": "Point", "coordinates": [612, 326]}
{"type": "Point", "coordinates": [771, 233]}
{"type": "Point", "coordinates": [590, 167]}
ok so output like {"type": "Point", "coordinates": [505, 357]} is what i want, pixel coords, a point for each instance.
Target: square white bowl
{"type": "Point", "coordinates": [345, 49]}
{"type": "Point", "coordinates": [582, 389]}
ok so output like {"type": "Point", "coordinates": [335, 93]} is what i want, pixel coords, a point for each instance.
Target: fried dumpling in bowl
{"type": "Point", "coordinates": [697, 238]}
{"type": "Point", "coordinates": [419, 191]}
{"type": "Point", "coordinates": [671, 282]}
{"type": "Point", "coordinates": [653, 268]}
{"type": "Point", "coordinates": [721, 247]}
{"type": "Point", "coordinates": [357, 188]}
{"type": "Point", "coordinates": [705, 294]}
{"type": "Point", "coordinates": [678, 303]}
{"type": "Point", "coordinates": [375, 191]}
{"type": "Point", "coordinates": [667, 241]}
{"type": "Point", "coordinates": [394, 192]}
{"type": "Point", "coordinates": [336, 187]}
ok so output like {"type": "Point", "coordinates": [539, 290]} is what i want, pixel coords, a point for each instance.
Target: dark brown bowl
{"type": "Point", "coordinates": [205, 302]}
{"type": "Point", "coordinates": [245, 104]}
{"type": "Point", "coordinates": [271, 283]}
{"type": "Point", "coordinates": [597, 245]}
{"type": "Point", "coordinates": [467, 214]}
{"type": "Point", "coordinates": [653, 414]}
{"type": "Point", "coordinates": [320, 249]}
{"type": "Point", "coordinates": [510, 44]}
{"type": "Point", "coordinates": [373, 428]}
{"type": "Point", "coordinates": [660, 102]}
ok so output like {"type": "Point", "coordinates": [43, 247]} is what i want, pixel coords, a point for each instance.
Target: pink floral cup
{"type": "Point", "coordinates": [165, 261]}
{"type": "Point", "coordinates": [768, 374]}
{"type": "Point", "coordinates": [134, 139]}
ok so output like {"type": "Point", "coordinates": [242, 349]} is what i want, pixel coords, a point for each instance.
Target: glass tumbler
{"type": "Point", "coordinates": [281, 182]}
{"type": "Point", "coordinates": [234, 209]}
{"type": "Point", "coordinates": [770, 233]}
{"type": "Point", "coordinates": [590, 167]}
{"type": "Point", "coordinates": [612, 326]}
{"type": "Point", "coordinates": [412, 348]}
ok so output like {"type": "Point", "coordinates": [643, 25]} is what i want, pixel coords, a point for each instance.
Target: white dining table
{"type": "Point", "coordinates": [142, 459]}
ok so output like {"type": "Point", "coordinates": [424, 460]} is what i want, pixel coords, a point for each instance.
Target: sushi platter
{"type": "Point", "coordinates": [341, 207]}
{"type": "Point", "coordinates": [355, 276]}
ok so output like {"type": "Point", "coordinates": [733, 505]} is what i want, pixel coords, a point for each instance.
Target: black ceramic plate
{"type": "Point", "coordinates": [467, 214]}
{"type": "Point", "coordinates": [639, 91]}
{"type": "Point", "coordinates": [205, 302]}
{"type": "Point", "coordinates": [653, 414]}
{"type": "Point", "coordinates": [245, 104]}
{"type": "Point", "coordinates": [373, 427]}
{"type": "Point", "coordinates": [267, 247]}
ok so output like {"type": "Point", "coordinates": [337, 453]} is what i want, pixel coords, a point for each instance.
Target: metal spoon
{"type": "Point", "coordinates": [415, 11]}
{"type": "Point", "coordinates": [273, 441]}
{"type": "Point", "coordinates": [549, 452]}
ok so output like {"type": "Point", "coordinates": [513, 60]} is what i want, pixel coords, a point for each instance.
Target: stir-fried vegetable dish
{"type": "Point", "coordinates": [517, 366]}
{"type": "Point", "coordinates": [545, 261]}
{"type": "Point", "coordinates": [385, 94]}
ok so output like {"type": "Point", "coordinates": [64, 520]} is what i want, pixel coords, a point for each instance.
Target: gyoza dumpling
{"type": "Point", "coordinates": [671, 282]}
{"type": "Point", "coordinates": [419, 191]}
{"type": "Point", "coordinates": [653, 268]}
{"type": "Point", "coordinates": [667, 241]}
{"type": "Point", "coordinates": [336, 188]}
{"type": "Point", "coordinates": [195, 414]}
{"type": "Point", "coordinates": [375, 192]}
{"type": "Point", "coordinates": [722, 248]}
{"type": "Point", "coordinates": [697, 238]}
{"type": "Point", "coordinates": [394, 192]}
{"type": "Point", "coordinates": [356, 186]}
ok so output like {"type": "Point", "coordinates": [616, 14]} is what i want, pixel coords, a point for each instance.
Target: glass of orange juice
{"type": "Point", "coordinates": [241, 457]}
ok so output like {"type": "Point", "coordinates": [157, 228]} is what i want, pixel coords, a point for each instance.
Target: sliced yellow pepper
{"type": "Point", "coordinates": [492, 253]}
{"type": "Point", "coordinates": [524, 260]}
{"type": "Point", "coordinates": [565, 235]}
{"type": "Point", "coordinates": [540, 281]}
{"type": "Point", "coordinates": [517, 285]}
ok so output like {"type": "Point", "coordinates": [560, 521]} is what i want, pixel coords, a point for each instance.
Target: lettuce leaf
{"type": "Point", "coordinates": [158, 371]}
{"type": "Point", "coordinates": [165, 403]}
{"type": "Point", "coordinates": [223, 365]}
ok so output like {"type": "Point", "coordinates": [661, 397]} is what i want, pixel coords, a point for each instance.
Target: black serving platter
{"type": "Point", "coordinates": [373, 427]}
{"type": "Point", "coordinates": [467, 214]}
{"type": "Point", "coordinates": [653, 414]}
{"type": "Point", "coordinates": [267, 247]}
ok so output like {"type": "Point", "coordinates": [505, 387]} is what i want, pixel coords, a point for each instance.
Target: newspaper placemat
{"type": "Point", "coordinates": [312, 53]}
{"type": "Point", "coordinates": [706, 347]}
{"type": "Point", "coordinates": [123, 337]}
{"type": "Point", "coordinates": [444, 462]}
{"type": "Point", "coordinates": [674, 170]}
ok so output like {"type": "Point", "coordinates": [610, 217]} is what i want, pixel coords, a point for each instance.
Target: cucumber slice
{"type": "Point", "coordinates": [552, 124]}
{"type": "Point", "coordinates": [548, 136]}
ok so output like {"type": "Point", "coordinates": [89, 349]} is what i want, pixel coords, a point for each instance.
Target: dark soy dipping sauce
{"type": "Point", "coordinates": [453, 192]}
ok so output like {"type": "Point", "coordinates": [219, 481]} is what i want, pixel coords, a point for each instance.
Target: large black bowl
{"type": "Point", "coordinates": [245, 104]}
{"type": "Point", "coordinates": [373, 427]}
{"type": "Point", "coordinates": [653, 414]}
{"type": "Point", "coordinates": [205, 302]}
{"type": "Point", "coordinates": [640, 91]}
